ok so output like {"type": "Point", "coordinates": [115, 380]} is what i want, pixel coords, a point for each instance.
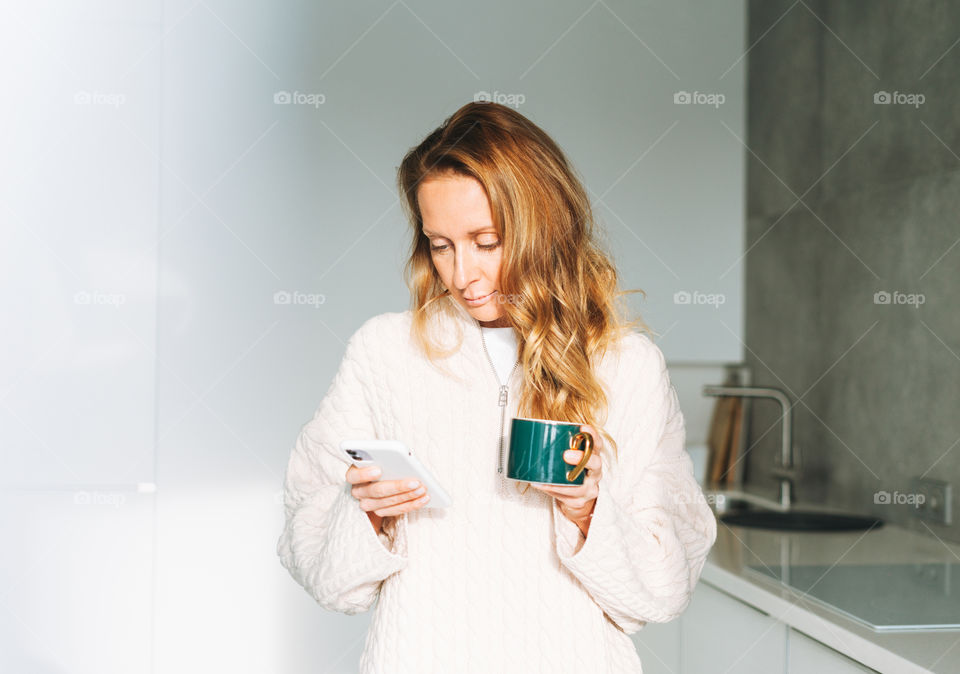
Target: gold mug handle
{"type": "Point", "coordinates": [587, 439]}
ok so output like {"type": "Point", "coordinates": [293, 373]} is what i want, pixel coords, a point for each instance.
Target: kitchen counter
{"type": "Point", "coordinates": [915, 651]}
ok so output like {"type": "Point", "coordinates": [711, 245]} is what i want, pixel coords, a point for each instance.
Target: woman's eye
{"type": "Point", "coordinates": [484, 246]}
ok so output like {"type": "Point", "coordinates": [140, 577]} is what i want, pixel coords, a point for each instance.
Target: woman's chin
{"type": "Point", "coordinates": [490, 319]}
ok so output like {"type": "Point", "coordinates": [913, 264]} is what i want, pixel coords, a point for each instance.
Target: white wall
{"type": "Point", "coordinates": [154, 199]}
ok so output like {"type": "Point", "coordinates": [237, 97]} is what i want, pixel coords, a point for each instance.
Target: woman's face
{"type": "Point", "coordinates": [464, 244]}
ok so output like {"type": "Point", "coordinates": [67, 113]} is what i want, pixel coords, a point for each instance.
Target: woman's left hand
{"type": "Point", "coordinates": [577, 501]}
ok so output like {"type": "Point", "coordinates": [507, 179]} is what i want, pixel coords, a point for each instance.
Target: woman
{"type": "Point", "coordinates": [515, 314]}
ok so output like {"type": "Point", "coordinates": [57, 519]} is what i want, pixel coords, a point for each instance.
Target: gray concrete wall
{"type": "Point", "coordinates": [848, 197]}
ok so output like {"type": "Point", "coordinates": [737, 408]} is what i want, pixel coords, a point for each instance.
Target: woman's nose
{"type": "Point", "coordinates": [464, 269]}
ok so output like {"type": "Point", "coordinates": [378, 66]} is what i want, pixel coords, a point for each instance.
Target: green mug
{"type": "Point", "coordinates": [537, 447]}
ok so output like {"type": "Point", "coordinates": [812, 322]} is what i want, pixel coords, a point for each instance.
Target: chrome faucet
{"type": "Point", "coordinates": [787, 470]}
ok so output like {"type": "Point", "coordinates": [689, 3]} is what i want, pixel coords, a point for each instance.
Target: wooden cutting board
{"type": "Point", "coordinates": [736, 428]}
{"type": "Point", "coordinates": [718, 439]}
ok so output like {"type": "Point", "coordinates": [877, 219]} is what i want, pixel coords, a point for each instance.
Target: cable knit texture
{"type": "Point", "coordinates": [501, 581]}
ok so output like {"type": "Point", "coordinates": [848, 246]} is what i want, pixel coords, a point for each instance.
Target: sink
{"type": "Point", "coordinates": [799, 520]}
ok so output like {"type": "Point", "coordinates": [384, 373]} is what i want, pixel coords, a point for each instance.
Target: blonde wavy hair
{"type": "Point", "coordinates": [557, 284]}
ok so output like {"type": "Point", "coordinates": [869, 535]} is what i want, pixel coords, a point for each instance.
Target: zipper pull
{"type": "Point", "coordinates": [502, 402]}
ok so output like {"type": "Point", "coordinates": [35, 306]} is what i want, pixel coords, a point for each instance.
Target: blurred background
{"type": "Point", "coordinates": [198, 207]}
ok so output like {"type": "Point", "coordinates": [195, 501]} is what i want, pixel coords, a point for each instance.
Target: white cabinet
{"type": "Point", "coordinates": [808, 655]}
{"type": "Point", "coordinates": [719, 633]}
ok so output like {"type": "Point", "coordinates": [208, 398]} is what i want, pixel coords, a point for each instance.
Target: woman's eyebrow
{"type": "Point", "coordinates": [475, 231]}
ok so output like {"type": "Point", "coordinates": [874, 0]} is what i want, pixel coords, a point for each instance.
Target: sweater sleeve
{"type": "Point", "coordinates": [328, 544]}
{"type": "Point", "coordinates": [651, 528]}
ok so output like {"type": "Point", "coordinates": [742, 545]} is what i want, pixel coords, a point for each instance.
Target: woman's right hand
{"type": "Point", "coordinates": [384, 498]}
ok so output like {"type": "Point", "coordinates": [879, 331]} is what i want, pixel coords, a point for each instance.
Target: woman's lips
{"type": "Point", "coordinates": [480, 300]}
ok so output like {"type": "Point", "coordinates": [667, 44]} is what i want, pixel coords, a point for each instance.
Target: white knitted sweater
{"type": "Point", "coordinates": [501, 581]}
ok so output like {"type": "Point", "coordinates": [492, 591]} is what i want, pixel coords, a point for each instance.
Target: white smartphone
{"type": "Point", "coordinates": [396, 462]}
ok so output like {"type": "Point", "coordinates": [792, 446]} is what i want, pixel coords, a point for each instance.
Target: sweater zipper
{"type": "Point", "coordinates": [502, 394]}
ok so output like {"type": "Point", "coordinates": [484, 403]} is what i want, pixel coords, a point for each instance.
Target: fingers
{"type": "Point", "coordinates": [383, 488]}
{"type": "Point", "coordinates": [577, 495]}
{"type": "Point", "coordinates": [385, 497]}
{"type": "Point", "coordinates": [575, 502]}
{"type": "Point", "coordinates": [570, 494]}
{"type": "Point", "coordinates": [357, 475]}
{"type": "Point", "coordinates": [597, 438]}
{"type": "Point", "coordinates": [573, 457]}
{"type": "Point", "coordinates": [382, 506]}
{"type": "Point", "coordinates": [405, 506]}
